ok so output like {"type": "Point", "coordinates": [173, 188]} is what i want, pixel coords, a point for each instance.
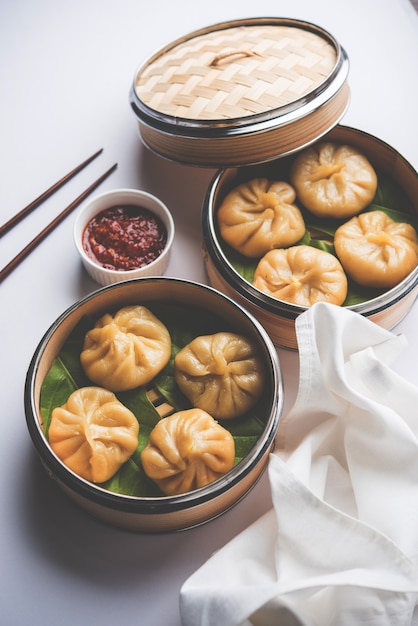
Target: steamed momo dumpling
{"type": "Point", "coordinates": [126, 350]}
{"type": "Point", "coordinates": [302, 275]}
{"type": "Point", "coordinates": [222, 374]}
{"type": "Point", "coordinates": [260, 215]}
{"type": "Point", "coordinates": [375, 250]}
{"type": "Point", "coordinates": [333, 180]}
{"type": "Point", "coordinates": [93, 433]}
{"type": "Point", "coordinates": [187, 450]}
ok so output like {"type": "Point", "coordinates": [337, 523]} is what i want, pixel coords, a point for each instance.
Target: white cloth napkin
{"type": "Point", "coordinates": [340, 545]}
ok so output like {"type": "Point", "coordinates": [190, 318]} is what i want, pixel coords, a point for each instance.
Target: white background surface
{"type": "Point", "coordinates": [66, 70]}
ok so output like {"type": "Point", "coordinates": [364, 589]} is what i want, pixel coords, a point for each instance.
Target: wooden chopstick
{"type": "Point", "coordinates": [35, 203]}
{"type": "Point", "coordinates": [48, 229]}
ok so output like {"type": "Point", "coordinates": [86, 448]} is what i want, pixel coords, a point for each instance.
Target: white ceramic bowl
{"type": "Point", "coordinates": [159, 513]}
{"type": "Point", "coordinates": [120, 197]}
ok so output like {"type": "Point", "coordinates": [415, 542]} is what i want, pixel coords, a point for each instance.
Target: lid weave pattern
{"type": "Point", "coordinates": [236, 72]}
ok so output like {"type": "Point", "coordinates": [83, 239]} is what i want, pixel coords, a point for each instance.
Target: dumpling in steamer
{"type": "Point", "coordinates": [93, 433]}
{"type": "Point", "coordinates": [222, 374]}
{"type": "Point", "coordinates": [333, 180]}
{"type": "Point", "coordinates": [126, 350]}
{"type": "Point", "coordinates": [302, 275]}
{"type": "Point", "coordinates": [260, 215]}
{"type": "Point", "coordinates": [375, 250]}
{"type": "Point", "coordinates": [186, 451]}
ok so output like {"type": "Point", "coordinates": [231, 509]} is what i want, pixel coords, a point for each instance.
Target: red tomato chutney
{"type": "Point", "coordinates": [124, 238]}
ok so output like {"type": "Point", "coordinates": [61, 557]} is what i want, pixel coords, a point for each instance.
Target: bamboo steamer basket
{"type": "Point", "coordinates": [241, 96]}
{"type": "Point", "coordinates": [241, 92]}
{"type": "Point", "coordinates": [278, 317]}
{"type": "Point", "coordinates": [165, 513]}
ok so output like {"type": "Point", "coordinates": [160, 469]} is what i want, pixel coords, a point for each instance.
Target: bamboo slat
{"type": "Point", "coordinates": [236, 72]}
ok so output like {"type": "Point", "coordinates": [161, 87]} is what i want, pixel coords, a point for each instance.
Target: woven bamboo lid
{"type": "Point", "coordinates": [241, 92]}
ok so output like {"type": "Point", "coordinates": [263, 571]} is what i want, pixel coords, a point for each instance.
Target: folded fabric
{"type": "Point", "coordinates": [340, 545]}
